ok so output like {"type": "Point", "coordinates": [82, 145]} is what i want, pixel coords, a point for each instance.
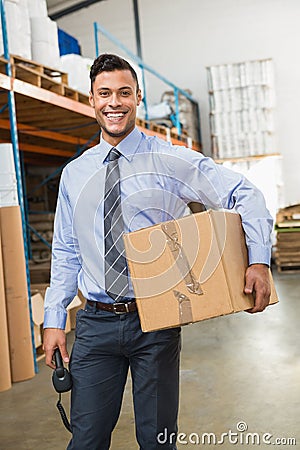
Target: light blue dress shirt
{"type": "Point", "coordinates": [158, 180]}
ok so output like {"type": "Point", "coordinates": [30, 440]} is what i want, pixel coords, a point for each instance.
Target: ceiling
{"type": "Point", "coordinates": [57, 8]}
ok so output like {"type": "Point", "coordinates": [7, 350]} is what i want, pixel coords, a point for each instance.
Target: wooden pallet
{"type": "Point", "coordinates": [48, 78]}
{"type": "Point", "coordinates": [164, 131]}
{"type": "Point", "coordinates": [288, 267]}
{"type": "Point", "coordinates": [287, 254]}
{"type": "Point", "coordinates": [290, 213]}
{"type": "Point", "coordinates": [35, 68]}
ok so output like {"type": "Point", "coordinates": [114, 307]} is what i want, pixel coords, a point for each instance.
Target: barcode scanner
{"type": "Point", "coordinates": [61, 377]}
{"type": "Point", "coordinates": [62, 382]}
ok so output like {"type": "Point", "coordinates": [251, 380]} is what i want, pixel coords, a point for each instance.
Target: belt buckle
{"type": "Point", "coordinates": [121, 312]}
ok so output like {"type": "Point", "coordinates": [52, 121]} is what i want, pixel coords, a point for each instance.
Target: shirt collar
{"type": "Point", "coordinates": [127, 147]}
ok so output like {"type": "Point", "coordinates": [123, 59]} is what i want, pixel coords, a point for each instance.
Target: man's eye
{"type": "Point", "coordinates": [104, 94]}
{"type": "Point", "coordinates": [126, 93]}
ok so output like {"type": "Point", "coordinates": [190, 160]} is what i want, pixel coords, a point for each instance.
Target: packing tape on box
{"type": "Point", "coordinates": [193, 286]}
{"type": "Point", "coordinates": [185, 308]}
{"type": "Point", "coordinates": [180, 258]}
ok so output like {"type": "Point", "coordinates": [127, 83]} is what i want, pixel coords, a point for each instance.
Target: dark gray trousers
{"type": "Point", "coordinates": [106, 345]}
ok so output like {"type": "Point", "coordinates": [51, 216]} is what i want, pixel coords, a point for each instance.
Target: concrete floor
{"type": "Point", "coordinates": [235, 369]}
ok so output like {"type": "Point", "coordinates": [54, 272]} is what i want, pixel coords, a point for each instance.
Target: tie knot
{"type": "Point", "coordinates": [114, 154]}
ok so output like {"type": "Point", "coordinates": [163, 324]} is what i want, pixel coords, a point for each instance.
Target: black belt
{"type": "Point", "coordinates": [117, 308]}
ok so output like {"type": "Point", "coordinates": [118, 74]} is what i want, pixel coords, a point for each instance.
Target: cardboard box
{"type": "Point", "coordinates": [5, 377]}
{"type": "Point", "coordinates": [189, 269]}
{"type": "Point", "coordinates": [39, 287]}
{"type": "Point", "coordinates": [72, 309]}
{"type": "Point", "coordinates": [37, 302]}
{"type": "Point", "coordinates": [37, 305]}
{"type": "Point", "coordinates": [16, 294]}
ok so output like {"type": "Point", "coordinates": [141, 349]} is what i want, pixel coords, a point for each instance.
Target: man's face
{"type": "Point", "coordinates": [115, 100]}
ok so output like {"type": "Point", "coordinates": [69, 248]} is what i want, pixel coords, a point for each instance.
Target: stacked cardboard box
{"type": "Point", "coordinates": [38, 291]}
{"type": "Point", "coordinates": [16, 328]}
{"type": "Point", "coordinates": [16, 294]}
{"type": "Point", "coordinates": [287, 254]}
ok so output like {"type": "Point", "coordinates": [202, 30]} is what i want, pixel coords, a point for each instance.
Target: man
{"type": "Point", "coordinates": [153, 182]}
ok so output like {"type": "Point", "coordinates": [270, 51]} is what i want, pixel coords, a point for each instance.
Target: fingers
{"type": "Point", "coordinates": [257, 283]}
{"type": "Point", "coordinates": [54, 338]}
{"type": "Point", "coordinates": [64, 353]}
{"type": "Point", "coordinates": [249, 285]}
{"type": "Point", "coordinates": [261, 302]}
{"type": "Point", "coordinates": [49, 357]}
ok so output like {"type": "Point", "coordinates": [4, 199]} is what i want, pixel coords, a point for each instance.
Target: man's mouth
{"type": "Point", "coordinates": [115, 115]}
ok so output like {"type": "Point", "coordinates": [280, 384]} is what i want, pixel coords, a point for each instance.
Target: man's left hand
{"type": "Point", "coordinates": [257, 282]}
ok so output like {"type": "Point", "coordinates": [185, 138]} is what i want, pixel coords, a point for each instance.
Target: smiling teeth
{"type": "Point", "coordinates": [115, 115]}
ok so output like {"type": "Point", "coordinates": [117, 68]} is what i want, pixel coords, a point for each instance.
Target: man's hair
{"type": "Point", "coordinates": [108, 63]}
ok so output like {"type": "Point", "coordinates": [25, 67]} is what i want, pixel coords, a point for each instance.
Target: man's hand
{"type": "Point", "coordinates": [257, 282]}
{"type": "Point", "coordinates": [55, 338]}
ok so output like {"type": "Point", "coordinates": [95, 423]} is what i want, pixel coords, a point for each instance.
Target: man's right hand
{"type": "Point", "coordinates": [55, 338]}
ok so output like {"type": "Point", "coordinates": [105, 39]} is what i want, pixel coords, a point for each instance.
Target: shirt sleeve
{"type": "Point", "coordinates": [65, 264]}
{"type": "Point", "coordinates": [200, 179]}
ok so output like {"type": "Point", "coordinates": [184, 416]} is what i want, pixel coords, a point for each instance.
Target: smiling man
{"type": "Point", "coordinates": [126, 182]}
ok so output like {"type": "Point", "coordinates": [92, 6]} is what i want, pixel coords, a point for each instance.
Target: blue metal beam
{"type": "Point", "coordinates": [4, 107]}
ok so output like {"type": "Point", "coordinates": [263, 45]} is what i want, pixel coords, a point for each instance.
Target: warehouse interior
{"type": "Point", "coordinates": [218, 77]}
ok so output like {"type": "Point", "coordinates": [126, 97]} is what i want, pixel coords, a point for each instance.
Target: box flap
{"type": "Point", "coordinates": [74, 303]}
{"type": "Point", "coordinates": [37, 305]}
{"type": "Point", "coordinates": [229, 231]}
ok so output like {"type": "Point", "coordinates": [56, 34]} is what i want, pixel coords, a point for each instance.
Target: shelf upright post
{"type": "Point", "coordinates": [15, 145]}
{"type": "Point", "coordinates": [178, 124]}
{"type": "Point", "coordinates": [96, 39]}
{"type": "Point", "coordinates": [145, 96]}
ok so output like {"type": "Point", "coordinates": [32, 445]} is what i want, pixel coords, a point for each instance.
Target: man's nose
{"type": "Point", "coordinates": [115, 100]}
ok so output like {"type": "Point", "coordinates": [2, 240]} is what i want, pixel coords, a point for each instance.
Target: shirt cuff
{"type": "Point", "coordinates": [258, 254]}
{"type": "Point", "coordinates": [55, 319]}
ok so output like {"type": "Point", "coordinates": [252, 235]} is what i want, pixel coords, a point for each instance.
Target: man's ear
{"type": "Point", "coordinates": [139, 97]}
{"type": "Point", "coordinates": [91, 100]}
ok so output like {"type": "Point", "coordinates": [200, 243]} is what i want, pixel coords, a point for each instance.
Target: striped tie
{"type": "Point", "coordinates": [116, 272]}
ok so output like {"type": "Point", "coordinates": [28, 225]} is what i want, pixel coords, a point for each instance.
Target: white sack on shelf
{"type": "Point", "coordinates": [159, 111]}
{"type": "Point", "coordinates": [18, 28]}
{"type": "Point", "coordinates": [8, 181]}
{"type": "Point", "coordinates": [78, 69]}
{"type": "Point", "coordinates": [44, 41]}
{"type": "Point", "coordinates": [37, 8]}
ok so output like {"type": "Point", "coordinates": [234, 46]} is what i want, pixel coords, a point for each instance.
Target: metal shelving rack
{"type": "Point", "coordinates": [17, 162]}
